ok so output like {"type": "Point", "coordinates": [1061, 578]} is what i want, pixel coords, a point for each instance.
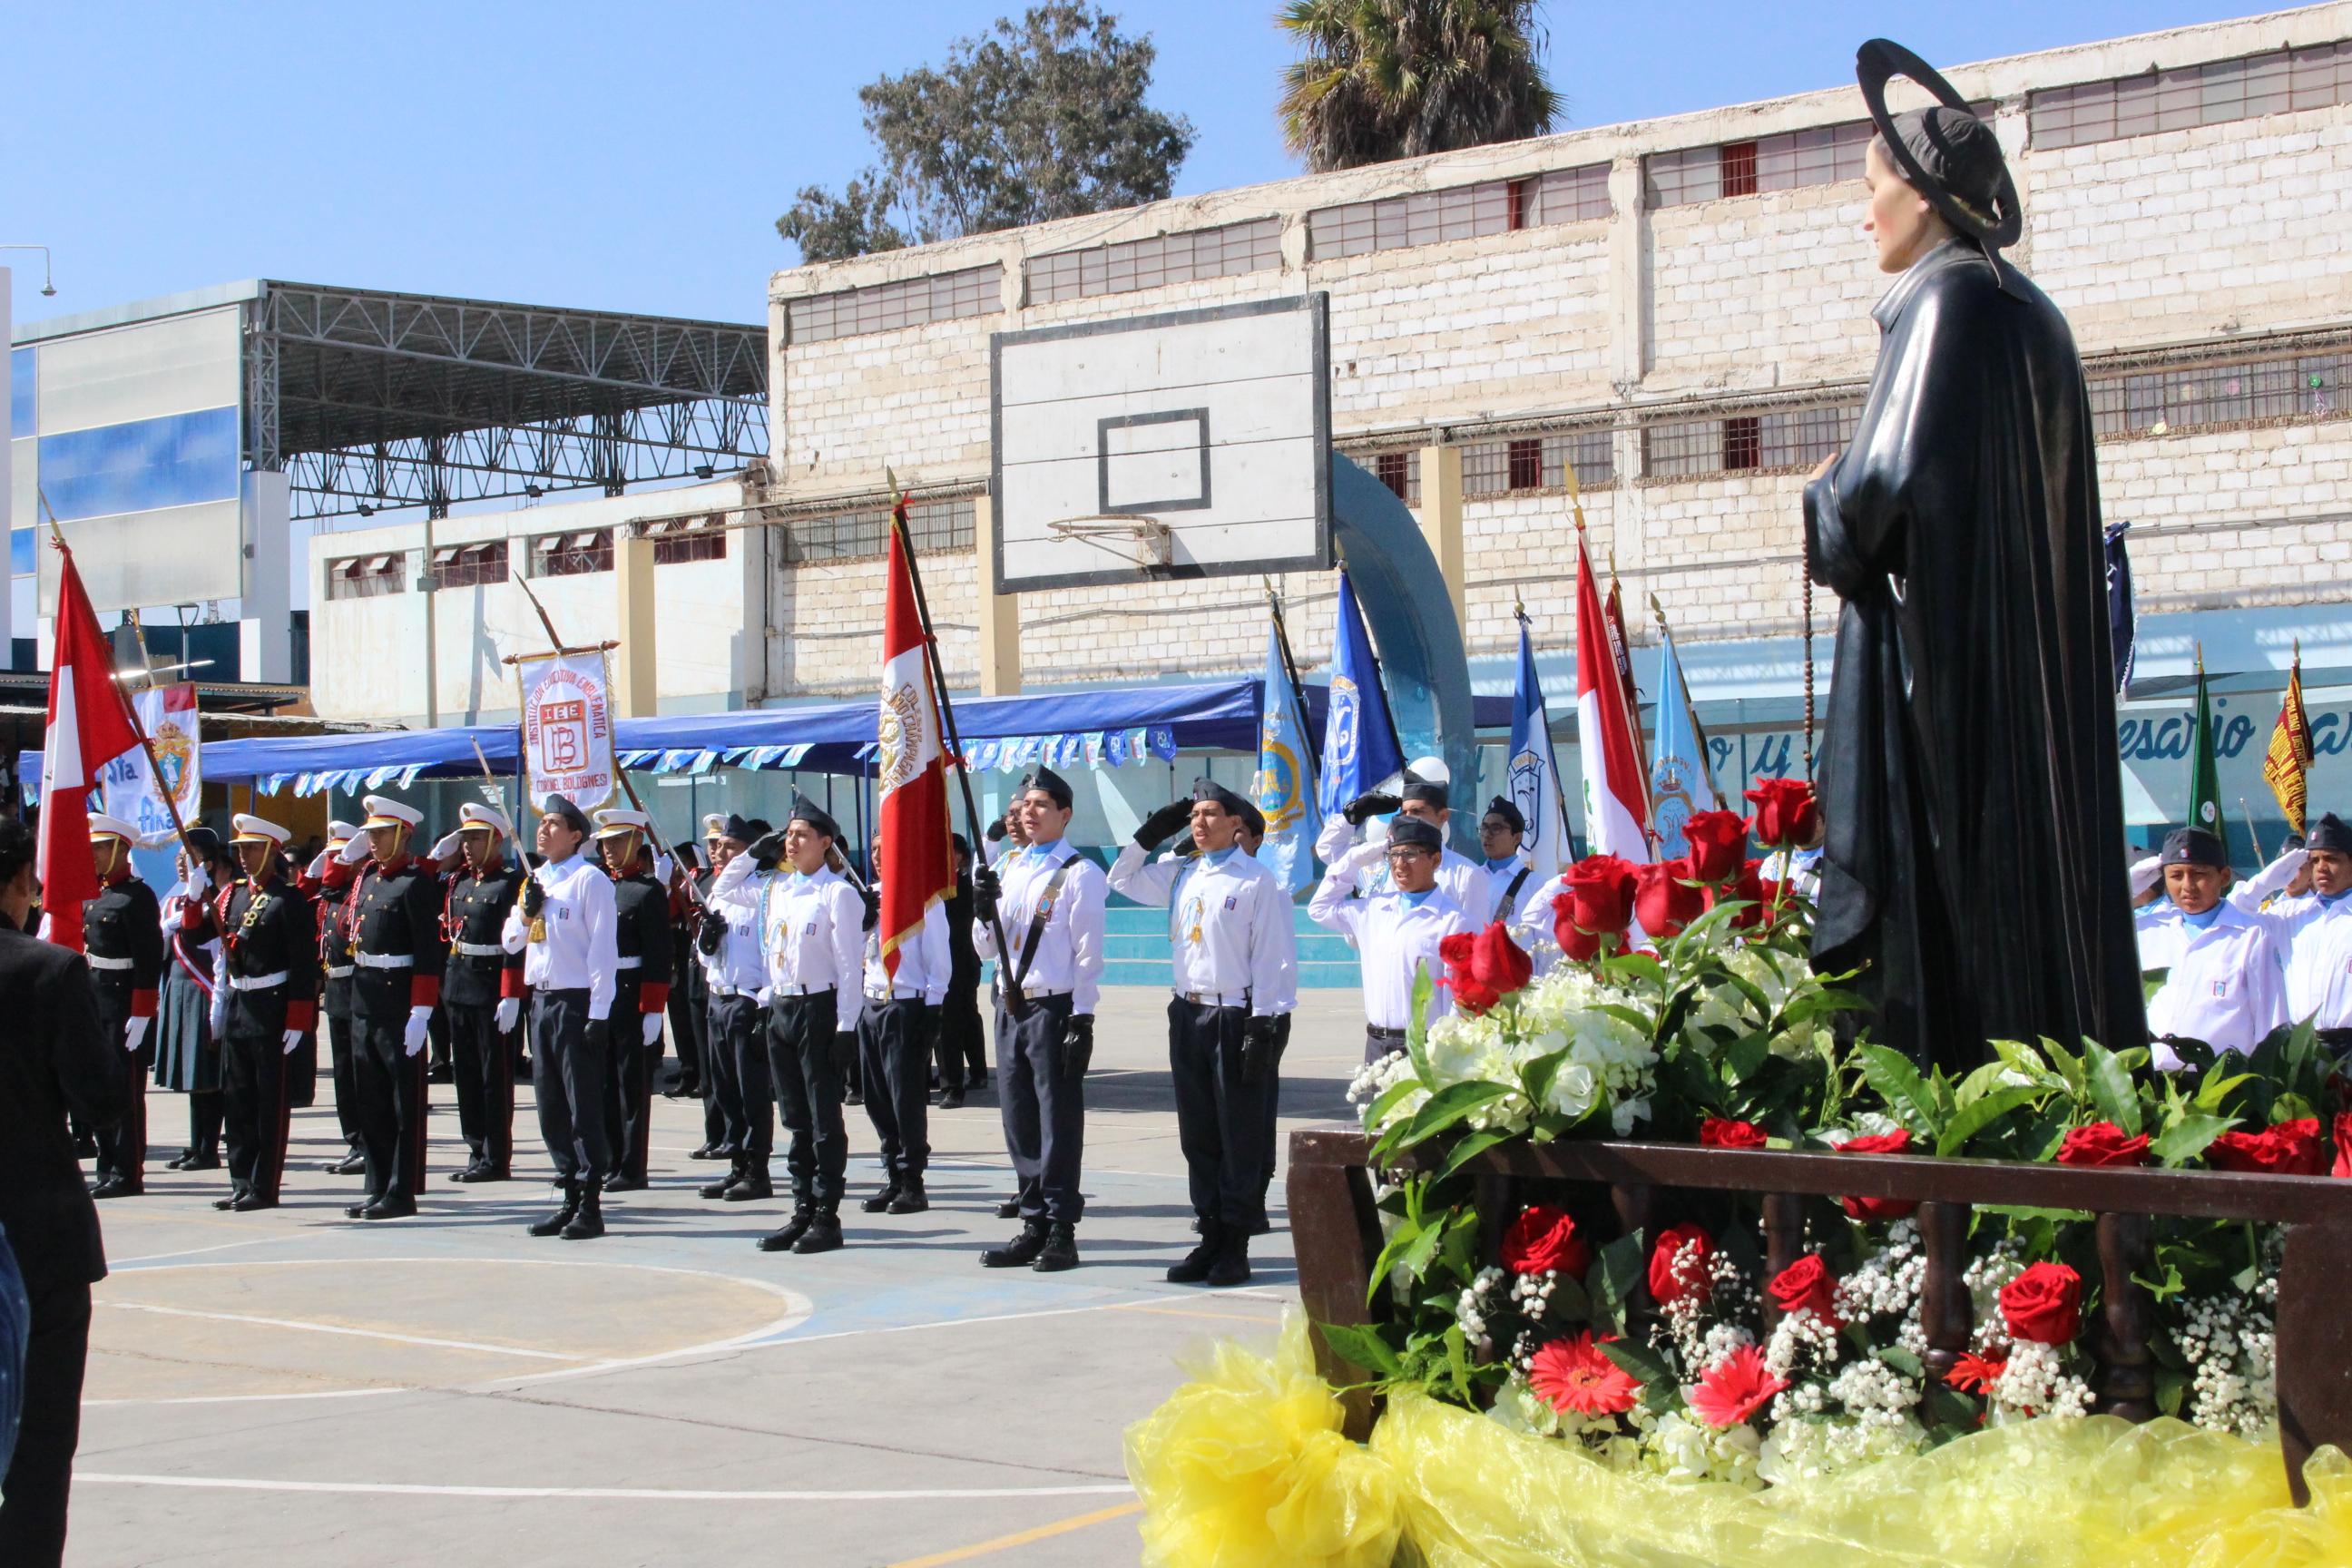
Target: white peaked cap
{"type": "Point", "coordinates": [620, 819]}
{"type": "Point", "coordinates": [384, 811]}
{"type": "Point", "coordinates": [481, 814]}
{"type": "Point", "coordinates": [101, 825]}
{"type": "Point", "coordinates": [258, 830]}
{"type": "Point", "coordinates": [340, 829]}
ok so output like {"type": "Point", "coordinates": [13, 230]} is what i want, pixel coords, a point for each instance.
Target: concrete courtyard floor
{"type": "Point", "coordinates": [292, 1387]}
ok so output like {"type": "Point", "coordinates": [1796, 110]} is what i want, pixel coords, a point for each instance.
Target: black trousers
{"type": "Point", "coordinates": [893, 1044]}
{"type": "Point", "coordinates": [629, 1085]}
{"type": "Point", "coordinates": [686, 1008]}
{"type": "Point", "coordinates": [1274, 1105]}
{"type": "Point", "coordinates": [1045, 1113]}
{"type": "Point", "coordinates": [391, 1095]}
{"type": "Point", "coordinates": [805, 1063]}
{"type": "Point", "coordinates": [40, 1475]}
{"type": "Point", "coordinates": [255, 1111]}
{"type": "Point", "coordinates": [738, 1032]}
{"type": "Point", "coordinates": [567, 1077]}
{"type": "Point", "coordinates": [482, 1065]}
{"type": "Point", "coordinates": [339, 1033]}
{"type": "Point", "coordinates": [964, 1044]}
{"type": "Point", "coordinates": [1219, 1120]}
{"type": "Point", "coordinates": [722, 1094]}
{"type": "Point", "coordinates": [122, 1148]}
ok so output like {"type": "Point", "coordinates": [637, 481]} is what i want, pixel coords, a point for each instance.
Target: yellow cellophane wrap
{"type": "Point", "coordinates": [1245, 1466]}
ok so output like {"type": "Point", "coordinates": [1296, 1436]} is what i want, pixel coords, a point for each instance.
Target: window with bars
{"type": "Point", "coordinates": [1818, 156]}
{"type": "Point", "coordinates": [2183, 397]}
{"type": "Point", "coordinates": [572, 554]}
{"type": "Point", "coordinates": [2277, 82]}
{"type": "Point", "coordinates": [1462, 212]}
{"type": "Point", "coordinates": [1789, 439]}
{"type": "Point", "coordinates": [469, 565]}
{"type": "Point", "coordinates": [1537, 462]}
{"type": "Point", "coordinates": [367, 576]}
{"type": "Point", "coordinates": [1229, 251]}
{"type": "Point", "coordinates": [935, 527]}
{"type": "Point", "coordinates": [885, 307]}
{"type": "Point", "coordinates": [1401, 471]}
{"type": "Point", "coordinates": [681, 539]}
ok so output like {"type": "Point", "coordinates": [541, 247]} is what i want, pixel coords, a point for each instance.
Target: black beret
{"type": "Point", "coordinates": [738, 829]}
{"type": "Point", "coordinates": [1502, 806]}
{"type": "Point", "coordinates": [573, 818]}
{"type": "Point", "coordinates": [1229, 803]}
{"type": "Point", "coordinates": [1414, 832]}
{"type": "Point", "coordinates": [2329, 833]}
{"type": "Point", "coordinates": [1427, 791]}
{"type": "Point", "coordinates": [1051, 783]}
{"type": "Point", "coordinates": [808, 811]}
{"type": "Point", "coordinates": [2193, 847]}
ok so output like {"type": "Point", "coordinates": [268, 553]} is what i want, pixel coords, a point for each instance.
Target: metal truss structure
{"type": "Point", "coordinates": [371, 400]}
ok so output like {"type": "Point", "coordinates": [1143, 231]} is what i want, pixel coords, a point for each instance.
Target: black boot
{"type": "Point", "coordinates": [823, 1233]}
{"type": "Point", "coordinates": [880, 1201]}
{"type": "Point", "coordinates": [1231, 1266]}
{"type": "Point", "coordinates": [481, 1172]}
{"type": "Point", "coordinates": [717, 1189]}
{"type": "Point", "coordinates": [587, 1218]}
{"type": "Point", "coordinates": [119, 1185]}
{"type": "Point", "coordinates": [1010, 1208]}
{"type": "Point", "coordinates": [911, 1198]}
{"type": "Point", "coordinates": [1023, 1248]}
{"type": "Point", "coordinates": [553, 1223]}
{"type": "Point", "coordinates": [1061, 1250]}
{"type": "Point", "coordinates": [752, 1186]}
{"type": "Point", "coordinates": [1201, 1259]}
{"type": "Point", "coordinates": [352, 1165]}
{"type": "Point", "coordinates": [622, 1182]}
{"type": "Point", "coordinates": [780, 1239]}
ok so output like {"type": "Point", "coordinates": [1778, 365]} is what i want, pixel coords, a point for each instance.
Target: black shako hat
{"type": "Point", "coordinates": [1051, 783]}
{"type": "Point", "coordinates": [808, 811]}
{"type": "Point", "coordinates": [573, 818]}
{"type": "Point", "coordinates": [2329, 833]}
{"type": "Point", "coordinates": [2193, 847]}
{"type": "Point", "coordinates": [1413, 831]}
{"type": "Point", "coordinates": [1947, 153]}
{"type": "Point", "coordinates": [1502, 806]}
{"type": "Point", "coordinates": [1231, 803]}
{"type": "Point", "coordinates": [1431, 792]}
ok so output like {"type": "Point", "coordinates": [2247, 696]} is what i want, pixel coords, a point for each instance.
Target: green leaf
{"type": "Point", "coordinates": [1450, 1105]}
{"type": "Point", "coordinates": [1389, 1099]}
{"type": "Point", "coordinates": [1746, 1055]}
{"type": "Point", "coordinates": [2213, 1094]}
{"type": "Point", "coordinates": [1535, 1078]}
{"type": "Point", "coordinates": [1471, 1147]}
{"type": "Point", "coordinates": [2170, 1387]}
{"type": "Point", "coordinates": [1890, 1072]}
{"type": "Point", "coordinates": [2151, 980]}
{"type": "Point", "coordinates": [2026, 1212]}
{"type": "Point", "coordinates": [1956, 1414]}
{"type": "Point", "coordinates": [1627, 1015]}
{"type": "Point", "coordinates": [2109, 1081]}
{"type": "Point", "coordinates": [1977, 1115]}
{"type": "Point", "coordinates": [1637, 966]}
{"type": "Point", "coordinates": [1362, 1347]}
{"type": "Point", "coordinates": [1568, 1301]}
{"type": "Point", "coordinates": [1611, 1279]}
{"type": "Point", "coordinates": [2067, 1064]}
{"type": "Point", "coordinates": [1637, 1361]}
{"type": "Point", "coordinates": [2186, 1139]}
{"type": "Point", "coordinates": [1902, 1360]}
{"type": "Point", "coordinates": [1416, 1023]}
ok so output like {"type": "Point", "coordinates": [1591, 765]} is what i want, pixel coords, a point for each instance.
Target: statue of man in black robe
{"type": "Point", "coordinates": [1968, 775]}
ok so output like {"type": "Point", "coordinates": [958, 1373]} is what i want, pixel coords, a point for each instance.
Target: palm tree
{"type": "Point", "coordinates": [1395, 78]}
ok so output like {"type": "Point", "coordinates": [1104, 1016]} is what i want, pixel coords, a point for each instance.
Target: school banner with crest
{"type": "Point", "coordinates": [567, 728]}
{"type": "Point", "coordinates": [135, 792]}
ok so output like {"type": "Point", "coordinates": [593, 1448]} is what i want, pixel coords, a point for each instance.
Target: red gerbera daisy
{"type": "Point", "coordinates": [1737, 1388]}
{"type": "Point", "coordinates": [1974, 1373]}
{"type": "Point", "coordinates": [1574, 1374]}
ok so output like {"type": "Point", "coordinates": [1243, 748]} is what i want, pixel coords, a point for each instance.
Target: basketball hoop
{"type": "Point", "coordinates": [1144, 542]}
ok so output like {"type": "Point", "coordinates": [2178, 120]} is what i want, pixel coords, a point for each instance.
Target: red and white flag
{"type": "Point", "coordinates": [1616, 791]}
{"type": "Point", "coordinates": [917, 865]}
{"type": "Point", "coordinates": [90, 726]}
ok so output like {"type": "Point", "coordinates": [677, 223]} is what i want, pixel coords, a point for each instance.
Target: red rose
{"type": "Point", "coordinates": [1678, 1265]}
{"type": "Point", "coordinates": [1751, 889]}
{"type": "Point", "coordinates": [1786, 816]}
{"type": "Point", "coordinates": [1460, 973]}
{"type": "Point", "coordinates": [1664, 900]}
{"type": "Point", "coordinates": [1543, 1240]}
{"type": "Point", "coordinates": [1575, 943]}
{"type": "Point", "coordinates": [1498, 963]}
{"type": "Point", "coordinates": [1714, 1133]}
{"type": "Point", "coordinates": [2289, 1149]}
{"type": "Point", "coordinates": [2343, 1145]}
{"type": "Point", "coordinates": [2044, 1304]}
{"type": "Point", "coordinates": [1807, 1286]}
{"type": "Point", "coordinates": [2101, 1143]}
{"type": "Point", "coordinates": [1895, 1142]}
{"type": "Point", "coordinates": [1601, 894]}
{"type": "Point", "coordinates": [1718, 843]}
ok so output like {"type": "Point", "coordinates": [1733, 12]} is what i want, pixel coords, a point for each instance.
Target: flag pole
{"type": "Point", "coordinates": [1004, 974]}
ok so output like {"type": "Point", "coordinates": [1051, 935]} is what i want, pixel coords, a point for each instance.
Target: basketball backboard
{"type": "Point", "coordinates": [1194, 444]}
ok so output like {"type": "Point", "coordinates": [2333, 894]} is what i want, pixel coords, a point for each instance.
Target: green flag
{"type": "Point", "coordinates": [2204, 772]}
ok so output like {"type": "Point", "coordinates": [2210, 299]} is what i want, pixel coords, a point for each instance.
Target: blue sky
{"type": "Point", "coordinates": [634, 157]}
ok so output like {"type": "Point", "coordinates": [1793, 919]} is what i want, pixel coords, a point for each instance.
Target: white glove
{"type": "Point", "coordinates": [2146, 874]}
{"type": "Point", "coordinates": [198, 880]}
{"type": "Point", "coordinates": [1332, 842]}
{"type": "Point", "coordinates": [411, 1038]}
{"type": "Point", "coordinates": [663, 866]}
{"type": "Point", "coordinates": [219, 1017]}
{"type": "Point", "coordinates": [133, 1033]}
{"type": "Point", "coordinates": [509, 1010]}
{"type": "Point", "coordinates": [293, 1038]}
{"type": "Point", "coordinates": [652, 1028]}
{"type": "Point", "coordinates": [318, 871]}
{"type": "Point", "coordinates": [448, 846]}
{"type": "Point", "coordinates": [355, 850]}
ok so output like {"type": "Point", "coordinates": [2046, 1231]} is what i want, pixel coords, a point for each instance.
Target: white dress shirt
{"type": "Point", "coordinates": [1394, 936]}
{"type": "Point", "coordinates": [739, 967]}
{"type": "Point", "coordinates": [2226, 984]}
{"type": "Point", "coordinates": [923, 960]}
{"type": "Point", "coordinates": [1462, 880]}
{"type": "Point", "coordinates": [2316, 936]}
{"type": "Point", "coordinates": [1532, 922]}
{"type": "Point", "coordinates": [813, 925]}
{"type": "Point", "coordinates": [1500, 875]}
{"type": "Point", "coordinates": [580, 951]}
{"type": "Point", "coordinates": [1069, 953]}
{"type": "Point", "coordinates": [1229, 926]}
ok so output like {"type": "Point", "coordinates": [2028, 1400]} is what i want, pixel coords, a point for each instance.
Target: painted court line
{"type": "Point", "coordinates": [334, 1329]}
{"type": "Point", "coordinates": [643, 1494]}
{"type": "Point", "coordinates": [1021, 1537]}
{"type": "Point", "coordinates": [251, 1398]}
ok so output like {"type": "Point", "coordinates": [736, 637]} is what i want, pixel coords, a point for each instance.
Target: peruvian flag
{"type": "Point", "coordinates": [90, 726]}
{"type": "Point", "coordinates": [917, 857]}
{"type": "Point", "coordinates": [1616, 792]}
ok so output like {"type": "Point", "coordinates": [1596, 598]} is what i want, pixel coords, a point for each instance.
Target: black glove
{"type": "Point", "coordinates": [534, 897]}
{"type": "Point", "coordinates": [1365, 806]}
{"type": "Point", "coordinates": [710, 933]}
{"type": "Point", "coordinates": [1160, 823]}
{"type": "Point", "coordinates": [927, 1029]}
{"type": "Point", "coordinates": [985, 890]}
{"type": "Point", "coordinates": [873, 900]}
{"type": "Point", "coordinates": [995, 834]}
{"type": "Point", "coordinates": [1078, 1045]}
{"type": "Point", "coordinates": [1261, 1049]}
{"type": "Point", "coordinates": [599, 1034]}
{"type": "Point", "coordinates": [768, 852]}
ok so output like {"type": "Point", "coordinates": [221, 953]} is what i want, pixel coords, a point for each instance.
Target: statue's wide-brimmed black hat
{"type": "Point", "coordinates": [1947, 155]}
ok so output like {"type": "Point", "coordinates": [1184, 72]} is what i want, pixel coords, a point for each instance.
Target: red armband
{"type": "Point", "coordinates": [425, 991]}
{"type": "Point", "coordinates": [653, 995]}
{"type": "Point", "coordinates": [510, 982]}
{"type": "Point", "coordinates": [303, 1016]}
{"type": "Point", "coordinates": [142, 1003]}
{"type": "Point", "coordinates": [340, 872]}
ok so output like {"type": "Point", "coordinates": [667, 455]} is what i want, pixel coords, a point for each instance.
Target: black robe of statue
{"type": "Point", "coordinates": [1968, 775]}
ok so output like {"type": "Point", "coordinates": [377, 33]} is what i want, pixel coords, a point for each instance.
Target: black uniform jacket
{"type": "Point", "coordinates": [641, 930]}
{"type": "Point", "coordinates": [123, 931]}
{"type": "Point", "coordinates": [271, 931]}
{"type": "Point", "coordinates": [395, 913]}
{"type": "Point", "coordinates": [327, 902]}
{"type": "Point", "coordinates": [55, 1056]}
{"type": "Point", "coordinates": [474, 915]}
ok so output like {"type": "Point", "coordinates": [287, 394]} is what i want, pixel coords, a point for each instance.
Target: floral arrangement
{"type": "Point", "coordinates": [1678, 1002]}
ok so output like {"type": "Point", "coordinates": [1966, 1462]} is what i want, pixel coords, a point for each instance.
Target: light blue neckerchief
{"type": "Point", "coordinates": [1501, 862]}
{"type": "Point", "coordinates": [1414, 900]}
{"type": "Point", "coordinates": [2201, 922]}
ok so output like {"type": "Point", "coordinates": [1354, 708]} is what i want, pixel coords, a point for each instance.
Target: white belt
{"type": "Point", "coordinates": [385, 960]}
{"type": "Point", "coordinates": [343, 974]}
{"type": "Point", "coordinates": [116, 964]}
{"type": "Point", "coordinates": [1032, 992]}
{"type": "Point", "coordinates": [800, 990]}
{"type": "Point", "coordinates": [895, 994]}
{"type": "Point", "coordinates": [637, 962]}
{"type": "Point", "coordinates": [1216, 998]}
{"type": "Point", "coordinates": [478, 949]}
{"type": "Point", "coordinates": [258, 982]}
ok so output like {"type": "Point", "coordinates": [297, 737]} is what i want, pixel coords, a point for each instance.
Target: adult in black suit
{"type": "Point", "coordinates": [55, 1056]}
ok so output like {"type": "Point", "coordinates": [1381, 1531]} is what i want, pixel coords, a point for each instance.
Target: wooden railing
{"type": "Point", "coordinates": [1336, 1231]}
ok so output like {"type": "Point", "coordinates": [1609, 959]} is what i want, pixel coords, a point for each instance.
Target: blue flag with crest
{"type": "Point", "coordinates": [1534, 773]}
{"type": "Point", "coordinates": [1359, 743]}
{"type": "Point", "coordinates": [1281, 787]}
